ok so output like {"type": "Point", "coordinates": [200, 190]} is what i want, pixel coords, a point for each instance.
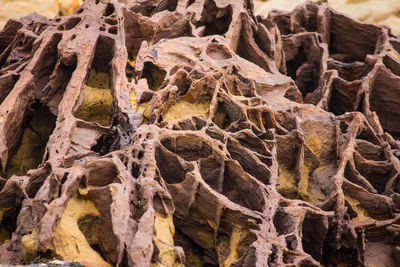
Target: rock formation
{"type": "Point", "coordinates": [384, 12]}
{"type": "Point", "coordinates": [182, 132]}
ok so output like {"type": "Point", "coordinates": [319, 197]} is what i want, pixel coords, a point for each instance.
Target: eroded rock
{"type": "Point", "coordinates": [195, 133]}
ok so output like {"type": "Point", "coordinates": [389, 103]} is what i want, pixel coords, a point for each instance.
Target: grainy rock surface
{"type": "Point", "coordinates": [181, 132]}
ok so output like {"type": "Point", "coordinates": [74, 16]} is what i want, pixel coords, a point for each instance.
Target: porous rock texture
{"type": "Point", "coordinates": [138, 133]}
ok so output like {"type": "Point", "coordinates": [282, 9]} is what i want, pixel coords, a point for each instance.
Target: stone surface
{"type": "Point", "coordinates": [386, 12]}
{"type": "Point", "coordinates": [195, 133]}
{"type": "Point", "coordinates": [48, 8]}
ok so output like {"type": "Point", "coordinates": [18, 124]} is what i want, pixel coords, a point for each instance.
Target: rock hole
{"type": "Point", "coordinates": [130, 67]}
{"type": "Point", "coordinates": [46, 65]}
{"type": "Point", "coordinates": [8, 225]}
{"type": "Point", "coordinates": [248, 162]}
{"type": "Point", "coordinates": [366, 133]}
{"type": "Point", "coordinates": [343, 127]}
{"type": "Point", "coordinates": [291, 242]}
{"type": "Point", "coordinates": [190, 2]}
{"type": "Point", "coordinates": [36, 182]}
{"type": "Point", "coordinates": [377, 173]}
{"type": "Point", "coordinates": [158, 204]}
{"type": "Point", "coordinates": [8, 34]}
{"type": "Point", "coordinates": [189, 147]}
{"type": "Point", "coordinates": [284, 223]}
{"type": "Point", "coordinates": [210, 170]}
{"type": "Point", "coordinates": [248, 49]}
{"type": "Point", "coordinates": [370, 151]}
{"type": "Point", "coordinates": [54, 90]}
{"type": "Point", "coordinates": [135, 170]}
{"type": "Point", "coordinates": [304, 69]}
{"type": "Point", "coordinates": [109, 10]}
{"type": "Point", "coordinates": [222, 118]}
{"type": "Point", "coordinates": [10, 208]}
{"type": "Point", "coordinates": [392, 64]}
{"type": "Point", "coordinates": [7, 82]}
{"type": "Point", "coordinates": [195, 254]}
{"type": "Point", "coordinates": [169, 5]}
{"type": "Point", "coordinates": [385, 100]}
{"type": "Point", "coordinates": [218, 52]}
{"type": "Point", "coordinates": [36, 131]}
{"type": "Point", "coordinates": [170, 167]}
{"type": "Point", "coordinates": [47, 254]}
{"type": "Point", "coordinates": [140, 154]}
{"type": "Point", "coordinates": [69, 24]}
{"type": "Point", "coordinates": [111, 21]}
{"type": "Point", "coordinates": [113, 30]}
{"type": "Point", "coordinates": [314, 229]}
{"type": "Point", "coordinates": [102, 173]}
{"type": "Point", "coordinates": [107, 142]}
{"type": "Point", "coordinates": [273, 257]}
{"type": "Point", "coordinates": [238, 185]}
{"type": "Point", "coordinates": [154, 75]}
{"type": "Point", "coordinates": [83, 182]}
{"type": "Point", "coordinates": [217, 20]}
{"type": "Point", "coordinates": [97, 96]}
{"type": "Point", "coordinates": [344, 47]}
{"type": "Point", "coordinates": [344, 96]}
{"type": "Point", "coordinates": [90, 226]}
{"type": "Point", "coordinates": [351, 71]}
{"type": "Point", "coordinates": [64, 178]}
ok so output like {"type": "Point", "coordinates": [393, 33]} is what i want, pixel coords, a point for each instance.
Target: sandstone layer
{"type": "Point", "coordinates": [182, 132]}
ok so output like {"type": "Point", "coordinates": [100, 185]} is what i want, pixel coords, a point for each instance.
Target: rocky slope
{"type": "Point", "coordinates": [181, 132]}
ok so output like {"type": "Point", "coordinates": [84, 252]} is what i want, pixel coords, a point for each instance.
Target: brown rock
{"type": "Point", "coordinates": [193, 133]}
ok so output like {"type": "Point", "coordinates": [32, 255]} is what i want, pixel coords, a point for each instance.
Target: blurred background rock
{"type": "Point", "coordinates": [386, 12]}
{"type": "Point", "coordinates": [49, 8]}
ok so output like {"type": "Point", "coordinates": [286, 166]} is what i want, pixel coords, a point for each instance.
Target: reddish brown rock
{"type": "Point", "coordinates": [194, 133]}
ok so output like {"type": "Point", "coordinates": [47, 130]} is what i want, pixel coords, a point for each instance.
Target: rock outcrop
{"type": "Point", "coordinates": [181, 132]}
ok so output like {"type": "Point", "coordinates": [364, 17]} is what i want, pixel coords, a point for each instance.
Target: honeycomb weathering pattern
{"type": "Point", "coordinates": [191, 132]}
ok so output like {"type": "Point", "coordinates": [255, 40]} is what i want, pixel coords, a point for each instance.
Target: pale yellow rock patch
{"type": "Point", "coordinates": [97, 100]}
{"type": "Point", "coordinates": [69, 243]}
{"type": "Point", "coordinates": [164, 241]}
{"type": "Point", "coordinates": [184, 109]}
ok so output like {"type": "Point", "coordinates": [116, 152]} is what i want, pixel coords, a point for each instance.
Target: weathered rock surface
{"type": "Point", "coordinates": [386, 12]}
{"type": "Point", "coordinates": [179, 132]}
